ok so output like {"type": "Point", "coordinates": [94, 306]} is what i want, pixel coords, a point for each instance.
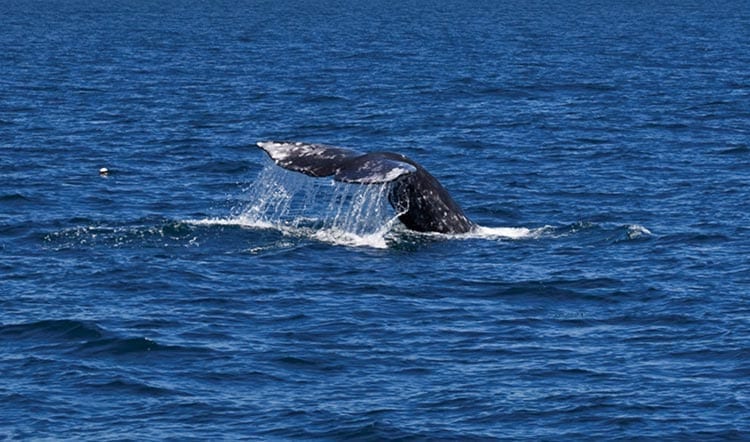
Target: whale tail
{"type": "Point", "coordinates": [345, 165]}
{"type": "Point", "coordinates": [422, 203]}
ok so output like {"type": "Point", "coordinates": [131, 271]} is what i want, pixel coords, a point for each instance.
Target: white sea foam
{"type": "Point", "coordinates": [637, 231]}
{"type": "Point", "coordinates": [501, 232]}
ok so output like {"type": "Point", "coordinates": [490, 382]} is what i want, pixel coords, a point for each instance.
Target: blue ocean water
{"type": "Point", "coordinates": [605, 147]}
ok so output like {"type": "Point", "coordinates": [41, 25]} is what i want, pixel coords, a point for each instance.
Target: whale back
{"type": "Point", "coordinates": [425, 205]}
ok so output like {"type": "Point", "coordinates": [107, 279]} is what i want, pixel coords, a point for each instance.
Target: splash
{"type": "Point", "coordinates": [339, 213]}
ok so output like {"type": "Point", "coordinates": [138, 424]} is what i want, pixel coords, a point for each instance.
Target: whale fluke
{"type": "Point", "coordinates": [345, 165]}
{"type": "Point", "coordinates": [421, 201]}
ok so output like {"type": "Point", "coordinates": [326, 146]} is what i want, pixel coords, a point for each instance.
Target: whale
{"type": "Point", "coordinates": [422, 204]}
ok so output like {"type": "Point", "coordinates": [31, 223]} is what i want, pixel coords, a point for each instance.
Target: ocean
{"type": "Point", "coordinates": [197, 291]}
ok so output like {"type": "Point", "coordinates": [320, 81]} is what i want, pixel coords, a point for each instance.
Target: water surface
{"type": "Point", "coordinates": [607, 143]}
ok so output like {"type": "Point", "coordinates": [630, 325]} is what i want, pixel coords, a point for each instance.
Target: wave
{"type": "Point", "coordinates": [130, 385]}
{"type": "Point", "coordinates": [14, 198]}
{"type": "Point", "coordinates": [117, 345]}
{"type": "Point", "coordinates": [57, 329]}
{"type": "Point", "coordinates": [86, 338]}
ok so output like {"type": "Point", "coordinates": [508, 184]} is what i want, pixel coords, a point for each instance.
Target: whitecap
{"type": "Point", "coordinates": [636, 231]}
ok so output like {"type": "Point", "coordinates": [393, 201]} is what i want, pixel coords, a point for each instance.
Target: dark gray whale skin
{"type": "Point", "coordinates": [422, 202]}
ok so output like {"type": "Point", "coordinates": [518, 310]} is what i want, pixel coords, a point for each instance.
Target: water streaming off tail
{"type": "Point", "coordinates": [326, 209]}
